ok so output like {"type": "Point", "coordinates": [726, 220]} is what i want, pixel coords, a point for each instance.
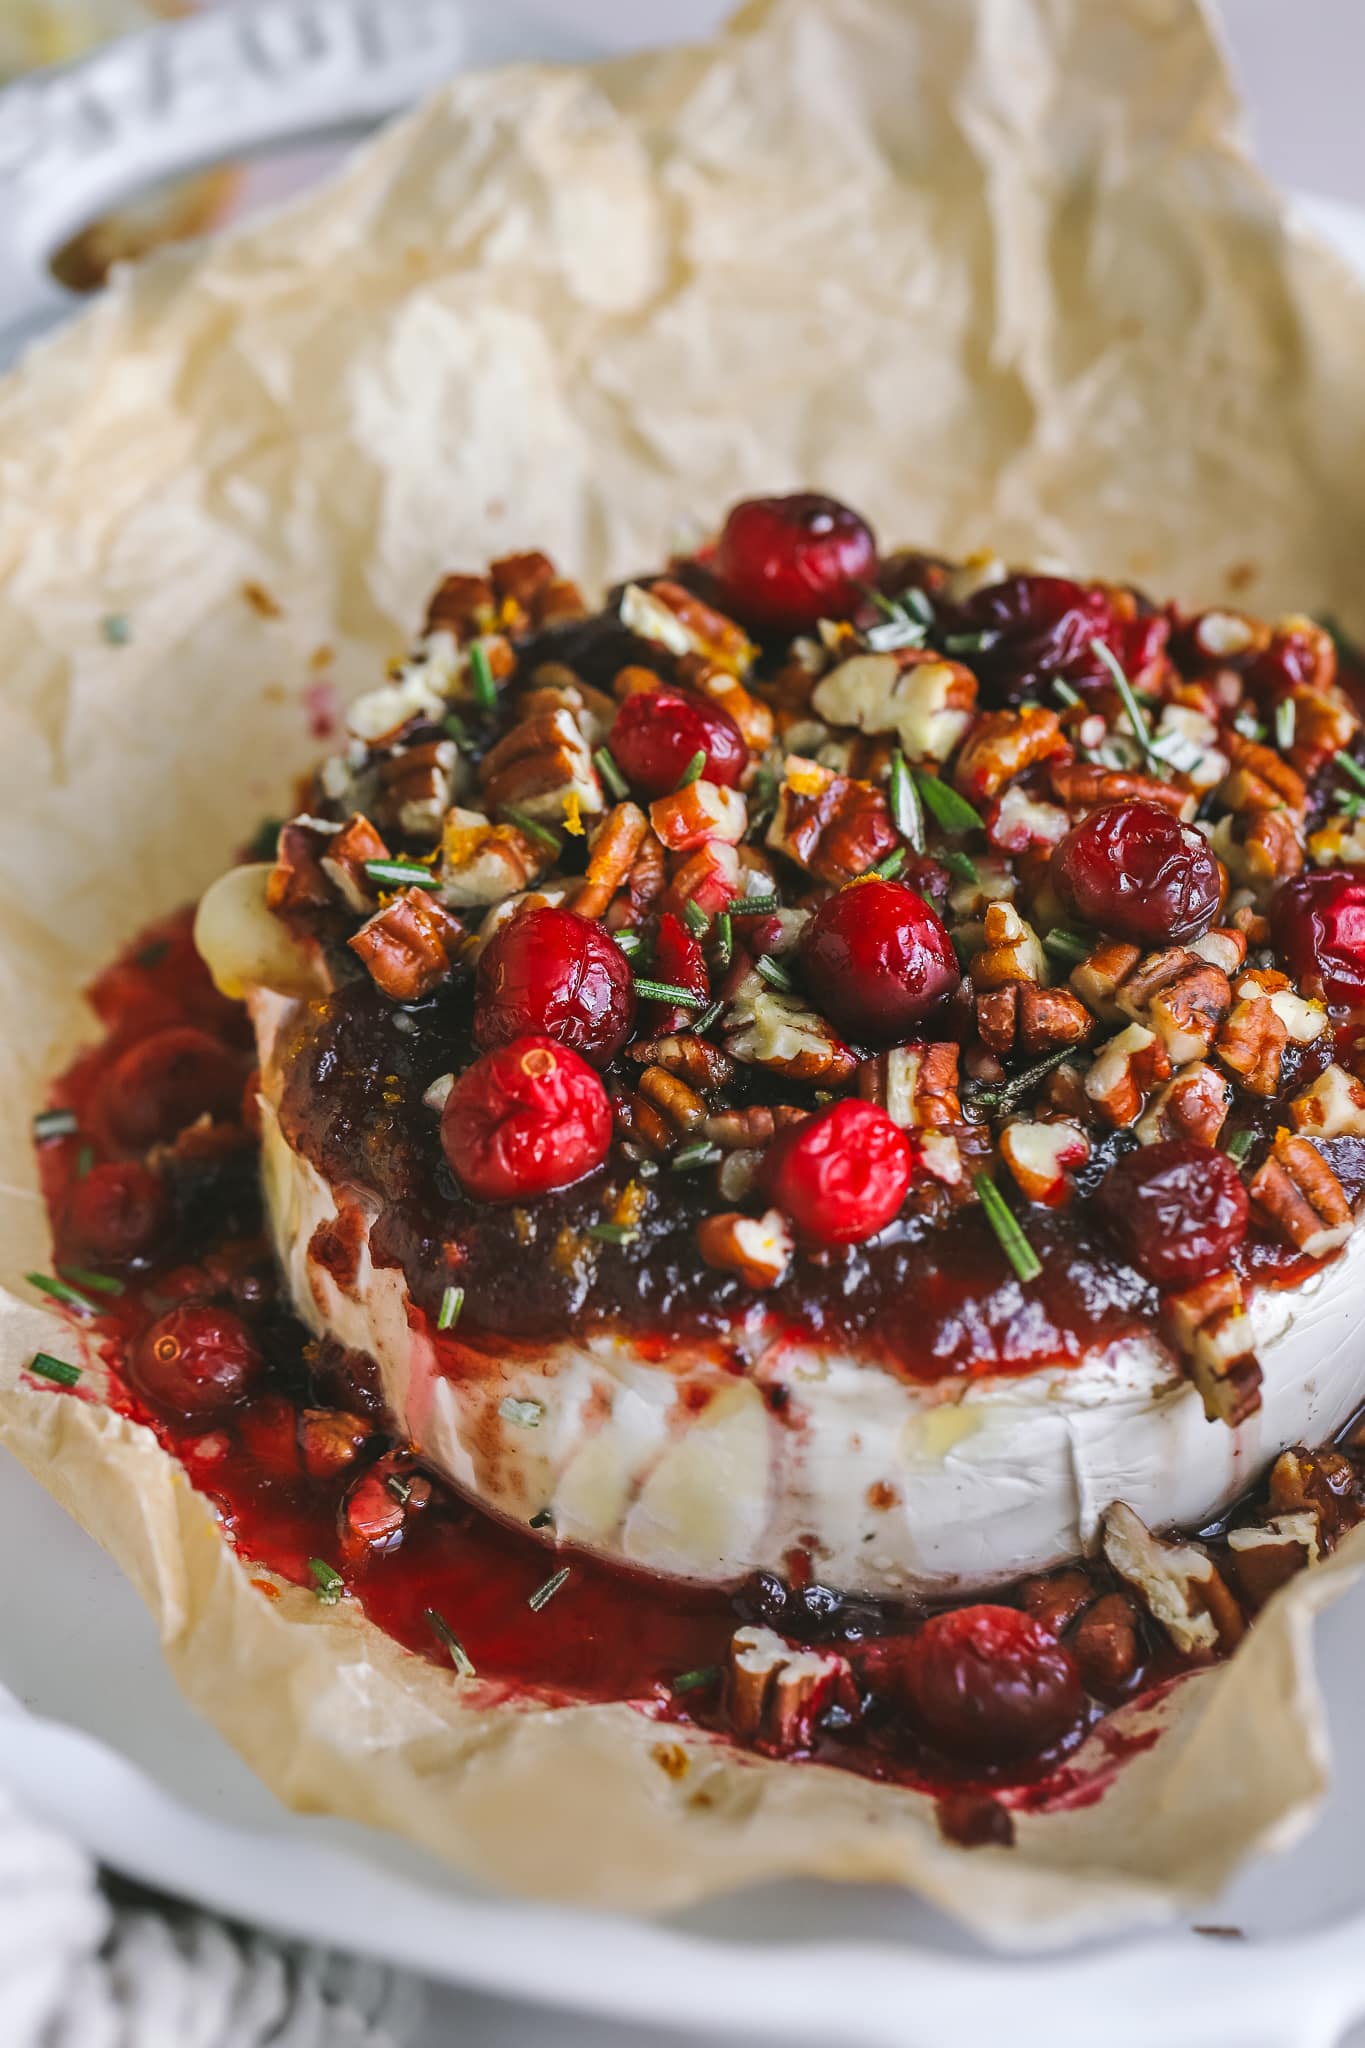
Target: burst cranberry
{"type": "Point", "coordinates": [167, 1081]}
{"type": "Point", "coordinates": [552, 972]}
{"type": "Point", "coordinates": [787, 562]}
{"type": "Point", "coordinates": [1037, 628]}
{"type": "Point", "coordinates": [677, 959]}
{"type": "Point", "coordinates": [1178, 1209]}
{"type": "Point", "coordinates": [198, 1360]}
{"type": "Point", "coordinates": [658, 733]}
{"type": "Point", "coordinates": [877, 960]}
{"type": "Point", "coordinates": [987, 1684]}
{"type": "Point", "coordinates": [1135, 871]}
{"type": "Point", "coordinates": [116, 1213]}
{"type": "Point", "coordinates": [1319, 925]}
{"type": "Point", "coordinates": [840, 1176]}
{"type": "Point", "coordinates": [525, 1118]}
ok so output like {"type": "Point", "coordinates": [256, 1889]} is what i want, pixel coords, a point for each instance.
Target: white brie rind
{"type": "Point", "coordinates": [888, 1484]}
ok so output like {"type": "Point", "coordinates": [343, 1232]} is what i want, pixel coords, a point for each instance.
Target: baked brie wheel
{"type": "Point", "coordinates": [837, 1066]}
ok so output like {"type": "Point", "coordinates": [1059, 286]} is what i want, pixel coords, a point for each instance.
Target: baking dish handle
{"type": "Point", "coordinates": [80, 139]}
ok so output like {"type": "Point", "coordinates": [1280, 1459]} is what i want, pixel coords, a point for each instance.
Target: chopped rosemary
{"type": "Point", "coordinates": [399, 1487]}
{"type": "Point", "coordinates": [1142, 732]}
{"type": "Point", "coordinates": [907, 812]}
{"type": "Point", "coordinates": [918, 603]}
{"type": "Point", "coordinates": [894, 633]}
{"type": "Point", "coordinates": [54, 1123]}
{"type": "Point", "coordinates": [481, 677]}
{"type": "Point", "coordinates": [532, 828]}
{"type": "Point", "coordinates": [116, 628]}
{"type": "Point", "coordinates": [694, 770]}
{"type": "Point", "coordinates": [93, 1283]}
{"type": "Point", "coordinates": [455, 728]}
{"type": "Point", "coordinates": [762, 796]}
{"type": "Point", "coordinates": [1063, 692]}
{"type": "Point", "coordinates": [756, 906]}
{"type": "Point", "coordinates": [888, 869]}
{"type": "Point", "coordinates": [668, 992]}
{"type": "Point", "coordinates": [452, 1301]}
{"type": "Point", "coordinates": [328, 1584]}
{"type": "Point", "coordinates": [544, 1518]}
{"type": "Point", "coordinates": [630, 943]}
{"type": "Point", "coordinates": [960, 864]}
{"type": "Point", "coordinates": [953, 812]}
{"type": "Point", "coordinates": [1239, 1144]}
{"type": "Point", "coordinates": [693, 1681]}
{"type": "Point", "coordinates": [59, 1291]}
{"type": "Point", "coordinates": [773, 972]}
{"type": "Point", "coordinates": [49, 1368]}
{"type": "Point", "coordinates": [1349, 765]}
{"type": "Point", "coordinates": [970, 643]}
{"type": "Point", "coordinates": [605, 763]}
{"type": "Point", "coordinates": [699, 1153]}
{"type": "Point", "coordinates": [723, 936]}
{"type": "Point", "coordinates": [1004, 1094]}
{"type": "Point", "coordinates": [1005, 1224]}
{"type": "Point", "coordinates": [85, 1159]}
{"type": "Point", "coordinates": [525, 1414]}
{"type": "Point", "coordinates": [1248, 724]}
{"type": "Point", "coordinates": [695, 918]}
{"type": "Point", "coordinates": [1065, 945]}
{"type": "Point", "coordinates": [400, 874]}
{"type": "Point", "coordinates": [702, 1024]}
{"type": "Point", "coordinates": [450, 1642]}
{"type": "Point", "coordinates": [1284, 724]}
{"type": "Point", "coordinates": [612, 1233]}
{"type": "Point", "coordinates": [543, 1595]}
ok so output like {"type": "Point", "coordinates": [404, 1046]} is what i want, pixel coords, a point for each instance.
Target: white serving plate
{"type": "Point", "coordinates": [92, 1731]}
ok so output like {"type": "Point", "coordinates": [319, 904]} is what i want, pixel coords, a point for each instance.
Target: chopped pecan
{"type": "Point", "coordinates": [1332, 1106]}
{"type": "Point", "coordinates": [1033, 1020]}
{"type": "Point", "coordinates": [1017, 821]}
{"type": "Point", "coordinates": [522, 578]}
{"type": "Point", "coordinates": [1264, 1556]}
{"type": "Point", "coordinates": [767, 1027]}
{"type": "Point", "coordinates": [1122, 1073]}
{"type": "Point", "coordinates": [1041, 1155]}
{"type": "Point", "coordinates": [757, 1248]}
{"type": "Point", "coordinates": [1260, 780]}
{"type": "Point", "coordinates": [343, 862]}
{"type": "Point", "coordinates": [669, 1093]}
{"type": "Point", "coordinates": [1081, 786]}
{"type": "Point", "coordinates": [915, 1084]}
{"type": "Point", "coordinates": [1188, 738]}
{"type": "Point", "coordinates": [1339, 842]}
{"type": "Point", "coordinates": [1324, 724]}
{"type": "Point", "coordinates": [753, 717]}
{"type": "Point", "coordinates": [744, 1129]}
{"type": "Point", "coordinates": [694, 1060]}
{"type": "Point", "coordinates": [484, 863]}
{"type": "Point", "coordinates": [1321, 1483]}
{"type": "Point", "coordinates": [925, 701]}
{"type": "Point", "coordinates": [639, 1122]}
{"type": "Point", "coordinates": [700, 811]}
{"type": "Point", "coordinates": [1011, 951]}
{"type": "Point", "coordinates": [298, 880]}
{"type": "Point", "coordinates": [710, 876]}
{"type": "Point", "coordinates": [613, 848]}
{"type": "Point", "coordinates": [1106, 1643]}
{"type": "Point", "coordinates": [416, 785]}
{"type": "Point", "coordinates": [1209, 1326]}
{"type": "Point", "coordinates": [1002, 744]}
{"type": "Point", "coordinates": [539, 766]}
{"type": "Point", "coordinates": [464, 606]}
{"type": "Point", "coordinates": [1193, 1104]}
{"type": "Point", "coordinates": [672, 617]}
{"type": "Point", "coordinates": [1271, 849]}
{"type": "Point", "coordinates": [1251, 1044]}
{"type": "Point", "coordinates": [409, 945]}
{"type": "Point", "coordinates": [777, 1692]}
{"type": "Point", "coordinates": [1303, 1017]}
{"type": "Point", "coordinates": [1302, 1197]}
{"type": "Point", "coordinates": [1097, 980]}
{"type": "Point", "coordinates": [554, 687]}
{"type": "Point", "coordinates": [831, 826]}
{"type": "Point", "coordinates": [330, 1440]}
{"type": "Point", "coordinates": [1222, 947]}
{"type": "Point", "coordinates": [1056, 1600]}
{"type": "Point", "coordinates": [1179, 1583]}
{"type": "Point", "coordinates": [1180, 997]}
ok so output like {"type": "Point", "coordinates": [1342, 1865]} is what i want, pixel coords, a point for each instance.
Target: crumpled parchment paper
{"type": "Point", "coordinates": [997, 271]}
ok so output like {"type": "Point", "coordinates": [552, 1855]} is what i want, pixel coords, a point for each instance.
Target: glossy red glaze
{"type": "Point", "coordinates": [198, 1360]}
{"type": "Point", "coordinates": [1133, 870]}
{"type": "Point", "coordinates": [1318, 921]}
{"type": "Point", "coordinates": [658, 733]}
{"type": "Point", "coordinates": [788, 562]}
{"type": "Point", "coordinates": [526, 1118]}
{"type": "Point", "coordinates": [841, 1176]}
{"type": "Point", "coordinates": [985, 1682]}
{"type": "Point", "coordinates": [877, 960]}
{"type": "Point", "coordinates": [552, 972]}
{"type": "Point", "coordinates": [117, 1213]}
{"type": "Point", "coordinates": [164, 1082]}
{"type": "Point", "coordinates": [1178, 1209]}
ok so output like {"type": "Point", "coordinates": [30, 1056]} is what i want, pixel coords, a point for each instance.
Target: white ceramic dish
{"type": "Point", "coordinates": [96, 1735]}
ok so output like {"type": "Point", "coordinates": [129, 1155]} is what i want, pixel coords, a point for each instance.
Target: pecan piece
{"type": "Point", "coordinates": [639, 1122]}
{"type": "Point", "coordinates": [1260, 780]}
{"type": "Point", "coordinates": [1097, 980]}
{"type": "Point", "coordinates": [1041, 1155]}
{"type": "Point", "coordinates": [1056, 1600]}
{"type": "Point", "coordinates": [1251, 1044]}
{"type": "Point", "coordinates": [297, 880]}
{"type": "Point", "coordinates": [828, 824]}
{"type": "Point", "coordinates": [753, 717]}
{"type": "Point", "coordinates": [767, 1027]}
{"type": "Point", "coordinates": [539, 766]}
{"type": "Point", "coordinates": [343, 862]}
{"type": "Point", "coordinates": [1180, 997]}
{"type": "Point", "coordinates": [736, 1130]}
{"type": "Point", "coordinates": [1302, 1197]}
{"type": "Point", "coordinates": [701, 811]}
{"type": "Point", "coordinates": [1193, 1104]}
{"type": "Point", "coordinates": [1264, 1556]}
{"type": "Point", "coordinates": [1002, 744]}
{"type": "Point", "coordinates": [1321, 1483]}
{"type": "Point", "coordinates": [757, 1248]}
{"type": "Point", "coordinates": [694, 1060]}
{"type": "Point", "coordinates": [1272, 850]}
{"type": "Point", "coordinates": [613, 848]}
{"type": "Point", "coordinates": [464, 606]}
{"type": "Point", "coordinates": [416, 785]}
{"type": "Point", "coordinates": [672, 617]}
{"type": "Point", "coordinates": [925, 701]}
{"type": "Point", "coordinates": [409, 945]}
{"type": "Point", "coordinates": [777, 1692]}
{"type": "Point", "coordinates": [1122, 1073]}
{"type": "Point", "coordinates": [1332, 1106]}
{"type": "Point", "coordinates": [1209, 1326]}
{"type": "Point", "coordinates": [1083, 787]}
{"type": "Point", "coordinates": [1106, 1643]}
{"type": "Point", "coordinates": [1178, 1583]}
{"type": "Point", "coordinates": [671, 1095]}
{"type": "Point", "coordinates": [483, 863]}
{"type": "Point", "coordinates": [915, 1084]}
{"type": "Point", "coordinates": [1011, 951]}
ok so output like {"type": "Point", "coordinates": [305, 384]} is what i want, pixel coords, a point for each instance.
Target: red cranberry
{"type": "Point", "coordinates": [165, 1082]}
{"type": "Point", "coordinates": [1041, 627]}
{"type": "Point", "coordinates": [988, 1684]}
{"type": "Point", "coordinates": [198, 1360]}
{"type": "Point", "coordinates": [526, 1118]}
{"type": "Point", "coordinates": [840, 1176]}
{"type": "Point", "coordinates": [1135, 871]}
{"type": "Point", "coordinates": [787, 562]}
{"type": "Point", "coordinates": [116, 1213]}
{"type": "Point", "coordinates": [677, 959]}
{"type": "Point", "coordinates": [1178, 1209]}
{"type": "Point", "coordinates": [1318, 922]}
{"type": "Point", "coordinates": [657, 733]}
{"type": "Point", "coordinates": [877, 960]}
{"type": "Point", "coordinates": [554, 972]}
